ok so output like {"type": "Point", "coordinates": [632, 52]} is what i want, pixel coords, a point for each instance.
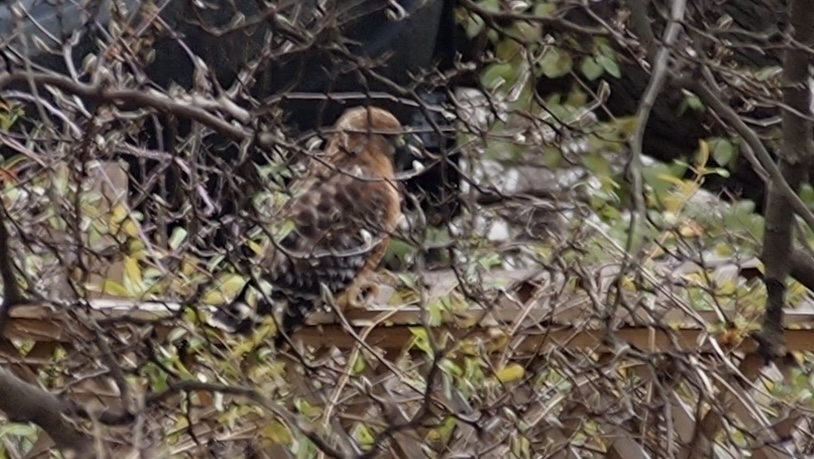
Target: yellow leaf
{"type": "Point", "coordinates": [140, 255]}
{"type": "Point", "coordinates": [114, 288]}
{"type": "Point", "coordinates": [136, 245]}
{"type": "Point", "coordinates": [359, 365]}
{"type": "Point", "coordinates": [132, 270]}
{"type": "Point", "coordinates": [130, 229]}
{"type": "Point", "coordinates": [627, 283]}
{"type": "Point", "coordinates": [285, 229]}
{"type": "Point", "coordinates": [256, 248]}
{"type": "Point", "coordinates": [363, 435]}
{"type": "Point", "coordinates": [510, 373]}
{"type": "Point", "coordinates": [213, 297]}
{"type": "Point", "coordinates": [119, 213]}
{"type": "Point", "coordinates": [691, 229]}
{"type": "Point", "coordinates": [188, 266]}
{"type": "Point", "coordinates": [656, 252]}
{"type": "Point", "coordinates": [670, 179]}
{"type": "Point", "coordinates": [228, 287]}
{"type": "Point", "coordinates": [627, 125]}
{"type": "Point", "coordinates": [277, 433]}
{"type": "Point", "coordinates": [703, 151]}
{"type": "Point", "coordinates": [498, 340]}
{"type": "Point", "coordinates": [307, 409]}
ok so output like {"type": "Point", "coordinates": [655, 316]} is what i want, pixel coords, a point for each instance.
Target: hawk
{"type": "Point", "coordinates": [340, 223]}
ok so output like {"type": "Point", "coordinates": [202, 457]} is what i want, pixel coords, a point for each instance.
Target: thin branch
{"type": "Point", "coordinates": [552, 22]}
{"type": "Point", "coordinates": [654, 87]}
{"type": "Point", "coordinates": [12, 294]}
{"type": "Point", "coordinates": [750, 136]}
{"type": "Point", "coordinates": [802, 265]}
{"type": "Point", "coordinates": [641, 25]}
{"type": "Point", "coordinates": [253, 395]}
{"type": "Point", "coordinates": [183, 106]}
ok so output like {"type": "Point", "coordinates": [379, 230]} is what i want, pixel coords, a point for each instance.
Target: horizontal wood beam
{"type": "Point", "coordinates": [43, 323]}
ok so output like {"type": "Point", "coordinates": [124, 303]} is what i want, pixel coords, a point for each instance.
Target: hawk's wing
{"type": "Point", "coordinates": [339, 227]}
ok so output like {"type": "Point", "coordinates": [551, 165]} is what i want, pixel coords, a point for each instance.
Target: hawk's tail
{"type": "Point", "coordinates": [292, 318]}
{"type": "Point", "coordinates": [239, 317]}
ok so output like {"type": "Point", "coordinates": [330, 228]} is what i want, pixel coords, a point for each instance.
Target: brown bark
{"type": "Point", "coordinates": [23, 402]}
{"type": "Point", "coordinates": [795, 156]}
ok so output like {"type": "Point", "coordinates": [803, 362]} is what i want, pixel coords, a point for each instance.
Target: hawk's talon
{"type": "Point", "coordinates": [368, 291]}
{"type": "Point", "coordinates": [359, 295]}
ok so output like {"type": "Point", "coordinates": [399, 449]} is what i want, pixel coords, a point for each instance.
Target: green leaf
{"type": "Point", "coordinates": [591, 69]}
{"type": "Point", "coordinates": [176, 333]}
{"type": "Point", "coordinates": [807, 194]}
{"type": "Point", "coordinates": [490, 5]}
{"type": "Point", "coordinates": [278, 433]}
{"type": "Point", "coordinates": [691, 101]}
{"type": "Point", "coordinates": [609, 64]}
{"type": "Point", "coordinates": [658, 177]}
{"type": "Point", "coordinates": [545, 9]}
{"type": "Point", "coordinates": [420, 339]}
{"type": "Point", "coordinates": [363, 435]}
{"type": "Point", "coordinates": [359, 364]}
{"type": "Point", "coordinates": [444, 431]}
{"type": "Point", "coordinates": [17, 429]}
{"type": "Point", "coordinates": [507, 49]}
{"type": "Point", "coordinates": [552, 157]}
{"type": "Point", "coordinates": [474, 25]}
{"type": "Point", "coordinates": [555, 63]}
{"type": "Point", "coordinates": [767, 73]}
{"type": "Point", "coordinates": [496, 75]}
{"type": "Point", "coordinates": [527, 31]}
{"type": "Point", "coordinates": [178, 236]}
{"type": "Point", "coordinates": [678, 168]}
{"type": "Point", "coordinates": [597, 163]}
{"type": "Point", "coordinates": [721, 171]}
{"type": "Point", "coordinates": [723, 151]}
{"type": "Point", "coordinates": [436, 310]}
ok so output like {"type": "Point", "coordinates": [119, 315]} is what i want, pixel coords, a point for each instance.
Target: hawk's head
{"type": "Point", "coordinates": [370, 129]}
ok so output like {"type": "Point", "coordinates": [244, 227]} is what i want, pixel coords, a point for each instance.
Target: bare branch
{"type": "Point", "coordinates": [795, 156]}
{"type": "Point", "coordinates": [654, 87]}
{"type": "Point", "coordinates": [12, 294]}
{"type": "Point", "coordinates": [23, 402]}
{"type": "Point", "coordinates": [192, 108]}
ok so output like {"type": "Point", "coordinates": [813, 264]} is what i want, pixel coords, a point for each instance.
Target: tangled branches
{"type": "Point", "coordinates": [561, 284]}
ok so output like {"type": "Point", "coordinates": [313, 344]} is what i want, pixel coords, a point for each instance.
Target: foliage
{"type": "Point", "coordinates": [523, 327]}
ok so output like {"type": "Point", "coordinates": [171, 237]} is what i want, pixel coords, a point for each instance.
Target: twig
{"type": "Point", "coordinates": [186, 108]}
{"type": "Point", "coordinates": [750, 136]}
{"type": "Point", "coordinates": [654, 87]}
{"type": "Point", "coordinates": [641, 25]}
{"type": "Point", "coordinates": [12, 294]}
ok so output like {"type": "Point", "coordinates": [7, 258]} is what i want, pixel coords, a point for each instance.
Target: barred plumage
{"type": "Point", "coordinates": [341, 225]}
